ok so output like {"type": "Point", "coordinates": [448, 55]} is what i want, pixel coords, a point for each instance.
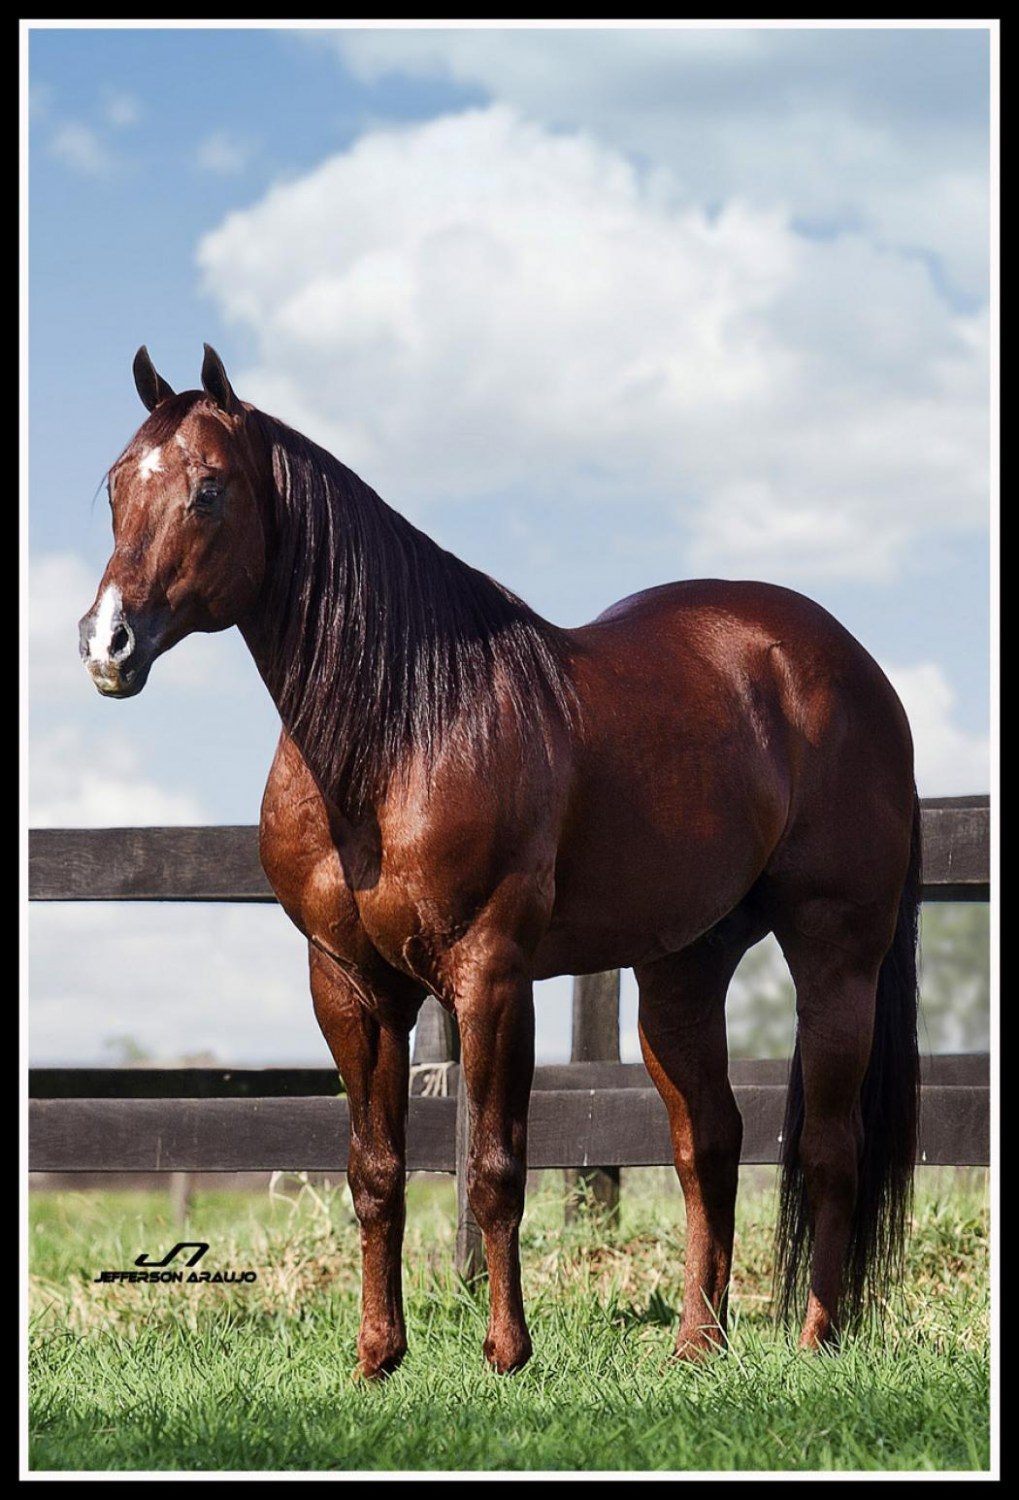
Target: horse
{"type": "Point", "coordinates": [466, 798]}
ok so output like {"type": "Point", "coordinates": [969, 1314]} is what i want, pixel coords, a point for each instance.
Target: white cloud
{"type": "Point", "coordinates": [950, 760]}
{"type": "Point", "coordinates": [60, 589]}
{"type": "Point", "coordinates": [85, 780]}
{"type": "Point", "coordinates": [479, 305]}
{"type": "Point", "coordinates": [81, 148]}
{"type": "Point", "coordinates": [121, 110]}
{"type": "Point", "coordinates": [223, 153]}
{"type": "Point", "coordinates": [183, 980]}
{"type": "Point", "coordinates": [884, 129]}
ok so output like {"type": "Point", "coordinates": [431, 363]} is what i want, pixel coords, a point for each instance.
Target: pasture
{"type": "Point", "coordinates": [258, 1377]}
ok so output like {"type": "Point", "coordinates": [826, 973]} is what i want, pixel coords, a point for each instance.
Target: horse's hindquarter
{"type": "Point", "coordinates": [692, 762]}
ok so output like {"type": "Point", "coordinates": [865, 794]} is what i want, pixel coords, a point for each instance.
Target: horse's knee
{"type": "Point", "coordinates": [495, 1187]}
{"type": "Point", "coordinates": [376, 1179]}
{"type": "Point", "coordinates": [709, 1154]}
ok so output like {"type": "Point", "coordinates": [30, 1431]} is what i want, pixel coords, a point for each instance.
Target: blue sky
{"type": "Point", "coordinates": [596, 309]}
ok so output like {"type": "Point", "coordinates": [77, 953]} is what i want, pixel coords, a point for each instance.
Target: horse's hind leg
{"type": "Point", "coordinates": [835, 973]}
{"type": "Point", "coordinates": [496, 1014]}
{"type": "Point", "coordinates": [682, 1035]}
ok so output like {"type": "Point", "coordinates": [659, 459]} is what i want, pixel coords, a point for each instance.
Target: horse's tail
{"type": "Point", "coordinates": [889, 1100]}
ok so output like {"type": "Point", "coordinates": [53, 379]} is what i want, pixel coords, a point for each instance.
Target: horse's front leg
{"type": "Point", "coordinates": [495, 1010]}
{"type": "Point", "coordinates": [372, 1056]}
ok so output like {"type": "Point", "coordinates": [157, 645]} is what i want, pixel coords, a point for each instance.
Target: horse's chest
{"type": "Point", "coordinates": [301, 858]}
{"type": "Point", "coordinates": [305, 871]}
{"type": "Point", "coordinates": [405, 888]}
{"type": "Point", "coordinates": [333, 885]}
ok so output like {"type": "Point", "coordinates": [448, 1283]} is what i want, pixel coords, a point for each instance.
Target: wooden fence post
{"type": "Point", "coordinates": [595, 1039]}
{"type": "Point", "coordinates": [437, 1040]}
{"type": "Point", "coordinates": [470, 1247]}
{"type": "Point", "coordinates": [179, 1191]}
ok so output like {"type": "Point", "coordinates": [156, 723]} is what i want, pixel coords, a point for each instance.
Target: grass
{"type": "Point", "coordinates": [258, 1377]}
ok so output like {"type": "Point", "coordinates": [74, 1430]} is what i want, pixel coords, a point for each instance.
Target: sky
{"type": "Point", "coordinates": [597, 309]}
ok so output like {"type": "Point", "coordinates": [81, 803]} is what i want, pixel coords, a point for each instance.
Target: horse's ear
{"type": "Point", "coordinates": [216, 382]}
{"type": "Point", "coordinates": [149, 384]}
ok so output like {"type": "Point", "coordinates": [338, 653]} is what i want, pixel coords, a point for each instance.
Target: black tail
{"type": "Point", "coordinates": [889, 1099]}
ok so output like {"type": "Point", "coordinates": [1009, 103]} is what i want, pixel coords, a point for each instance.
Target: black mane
{"type": "Point", "coordinates": [376, 641]}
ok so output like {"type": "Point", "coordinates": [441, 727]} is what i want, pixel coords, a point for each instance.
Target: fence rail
{"type": "Point", "coordinates": [590, 1116]}
{"type": "Point", "coordinates": [212, 1120]}
{"type": "Point", "coordinates": [221, 863]}
{"type": "Point", "coordinates": [953, 1070]}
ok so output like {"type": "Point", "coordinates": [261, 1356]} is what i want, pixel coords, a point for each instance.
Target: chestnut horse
{"type": "Point", "coordinates": [466, 798]}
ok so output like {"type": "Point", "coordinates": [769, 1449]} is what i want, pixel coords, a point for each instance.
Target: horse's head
{"type": "Point", "coordinates": [189, 545]}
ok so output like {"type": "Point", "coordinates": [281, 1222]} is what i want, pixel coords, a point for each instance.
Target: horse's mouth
{"type": "Point", "coordinates": [118, 684]}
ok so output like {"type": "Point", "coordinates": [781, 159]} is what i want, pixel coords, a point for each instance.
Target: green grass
{"type": "Point", "coordinates": [258, 1377]}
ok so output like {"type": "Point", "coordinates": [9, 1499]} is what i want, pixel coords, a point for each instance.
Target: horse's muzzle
{"type": "Point", "coordinates": [116, 654]}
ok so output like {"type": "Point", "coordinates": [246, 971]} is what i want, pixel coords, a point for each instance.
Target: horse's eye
{"type": "Point", "coordinates": [206, 497]}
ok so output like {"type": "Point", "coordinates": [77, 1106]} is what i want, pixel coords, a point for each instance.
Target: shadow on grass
{"type": "Point", "coordinates": [658, 1313]}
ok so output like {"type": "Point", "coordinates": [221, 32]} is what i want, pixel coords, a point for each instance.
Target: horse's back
{"type": "Point", "coordinates": [733, 605]}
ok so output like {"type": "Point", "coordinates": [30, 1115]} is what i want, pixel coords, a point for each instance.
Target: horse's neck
{"type": "Point", "coordinates": [335, 679]}
{"type": "Point", "coordinates": [381, 658]}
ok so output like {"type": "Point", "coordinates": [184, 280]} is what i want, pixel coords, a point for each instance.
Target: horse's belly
{"type": "Point", "coordinates": [588, 950]}
{"type": "Point", "coordinates": [634, 922]}
{"type": "Point", "coordinates": [637, 878]}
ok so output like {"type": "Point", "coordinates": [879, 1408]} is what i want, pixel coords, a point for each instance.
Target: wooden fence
{"type": "Point", "coordinates": [590, 1116]}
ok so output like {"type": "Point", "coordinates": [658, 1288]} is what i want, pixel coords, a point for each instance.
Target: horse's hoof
{"type": "Point", "coordinates": [376, 1367]}
{"type": "Point", "coordinates": [812, 1342]}
{"type": "Point", "coordinates": [817, 1331]}
{"type": "Point", "coordinates": [374, 1374]}
{"type": "Point", "coordinates": [695, 1348]}
{"type": "Point", "coordinates": [509, 1356]}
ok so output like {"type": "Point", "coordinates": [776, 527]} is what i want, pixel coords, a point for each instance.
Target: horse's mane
{"type": "Point", "coordinates": [376, 640]}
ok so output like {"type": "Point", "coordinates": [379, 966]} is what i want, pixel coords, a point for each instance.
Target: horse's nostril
{"type": "Point", "coordinates": [121, 642]}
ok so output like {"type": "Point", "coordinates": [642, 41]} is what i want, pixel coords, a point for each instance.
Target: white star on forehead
{"type": "Point", "coordinates": [151, 463]}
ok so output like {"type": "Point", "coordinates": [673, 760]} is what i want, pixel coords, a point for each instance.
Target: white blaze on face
{"type": "Point", "coordinates": [101, 641]}
{"type": "Point", "coordinates": [151, 463]}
